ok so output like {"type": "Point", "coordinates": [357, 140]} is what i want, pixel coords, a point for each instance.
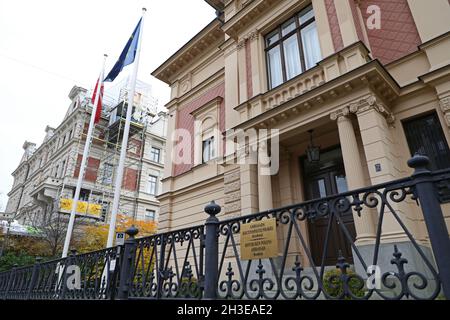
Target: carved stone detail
{"type": "Point", "coordinates": [445, 107]}
{"type": "Point", "coordinates": [252, 35]}
{"type": "Point", "coordinates": [372, 102]}
{"type": "Point", "coordinates": [232, 191]}
{"type": "Point", "coordinates": [343, 112]}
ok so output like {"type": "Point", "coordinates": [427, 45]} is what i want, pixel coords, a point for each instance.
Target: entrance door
{"type": "Point", "coordinates": [325, 182]}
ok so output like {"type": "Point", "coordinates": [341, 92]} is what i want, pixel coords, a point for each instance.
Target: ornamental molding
{"type": "Point", "coordinates": [363, 105]}
{"type": "Point", "coordinates": [372, 103]}
{"type": "Point", "coordinates": [445, 107]}
{"type": "Point", "coordinates": [343, 112]}
{"type": "Point", "coordinates": [445, 104]}
{"type": "Point", "coordinates": [251, 36]}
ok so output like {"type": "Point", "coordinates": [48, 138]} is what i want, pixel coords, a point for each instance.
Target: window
{"type": "Point", "coordinates": [152, 184]}
{"type": "Point", "coordinates": [208, 149]}
{"type": "Point", "coordinates": [107, 173]}
{"type": "Point", "coordinates": [56, 171]}
{"type": "Point", "coordinates": [150, 215]}
{"type": "Point", "coordinates": [155, 154]}
{"type": "Point", "coordinates": [84, 194]}
{"type": "Point", "coordinates": [292, 48]}
{"type": "Point", "coordinates": [425, 136]}
{"type": "Point", "coordinates": [63, 167]}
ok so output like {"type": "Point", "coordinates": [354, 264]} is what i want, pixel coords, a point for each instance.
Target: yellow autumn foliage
{"type": "Point", "coordinates": [94, 237]}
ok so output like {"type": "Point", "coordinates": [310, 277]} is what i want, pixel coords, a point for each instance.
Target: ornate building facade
{"type": "Point", "coordinates": [46, 177]}
{"type": "Point", "coordinates": [362, 84]}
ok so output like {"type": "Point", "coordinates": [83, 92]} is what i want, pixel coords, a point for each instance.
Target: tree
{"type": "Point", "coordinates": [95, 236]}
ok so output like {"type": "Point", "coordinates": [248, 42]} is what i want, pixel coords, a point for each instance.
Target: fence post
{"type": "Point", "coordinates": [11, 280]}
{"type": "Point", "coordinates": [161, 267]}
{"type": "Point", "coordinates": [211, 251]}
{"type": "Point", "coordinates": [126, 270]}
{"type": "Point", "coordinates": [34, 276]}
{"type": "Point", "coordinates": [434, 219]}
{"type": "Point", "coordinates": [70, 260]}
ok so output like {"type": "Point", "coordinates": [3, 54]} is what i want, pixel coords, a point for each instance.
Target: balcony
{"type": "Point", "coordinates": [47, 189]}
{"type": "Point", "coordinates": [333, 77]}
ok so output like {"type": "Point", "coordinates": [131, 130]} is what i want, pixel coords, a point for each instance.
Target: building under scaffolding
{"type": "Point", "coordinates": [45, 179]}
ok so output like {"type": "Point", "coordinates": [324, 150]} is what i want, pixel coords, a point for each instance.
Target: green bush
{"type": "Point", "coordinates": [10, 259]}
{"type": "Point", "coordinates": [332, 277]}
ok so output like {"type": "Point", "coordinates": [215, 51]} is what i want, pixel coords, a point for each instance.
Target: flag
{"type": "Point", "coordinates": [98, 112]}
{"type": "Point", "coordinates": [127, 56]}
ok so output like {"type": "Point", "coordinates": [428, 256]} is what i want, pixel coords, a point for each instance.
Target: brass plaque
{"type": "Point", "coordinates": [259, 239]}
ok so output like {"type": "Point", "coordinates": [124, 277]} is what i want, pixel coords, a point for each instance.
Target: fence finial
{"type": "Point", "coordinates": [132, 232]}
{"type": "Point", "coordinates": [212, 208]}
{"type": "Point", "coordinates": [419, 163]}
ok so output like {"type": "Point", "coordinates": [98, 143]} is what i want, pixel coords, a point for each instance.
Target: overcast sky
{"type": "Point", "coordinates": [48, 46]}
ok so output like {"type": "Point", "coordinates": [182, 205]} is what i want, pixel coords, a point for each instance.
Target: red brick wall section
{"type": "Point", "coordinates": [134, 147]}
{"type": "Point", "coordinates": [129, 180]}
{"type": "Point", "coordinates": [186, 121]}
{"type": "Point", "coordinates": [398, 35]}
{"type": "Point", "coordinates": [248, 66]}
{"type": "Point", "coordinates": [338, 43]}
{"type": "Point", "coordinates": [91, 168]}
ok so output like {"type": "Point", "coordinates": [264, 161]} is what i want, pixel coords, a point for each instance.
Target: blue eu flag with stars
{"type": "Point", "coordinates": [127, 56]}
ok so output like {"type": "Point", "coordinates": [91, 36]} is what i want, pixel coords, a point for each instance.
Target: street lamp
{"type": "Point", "coordinates": [312, 151]}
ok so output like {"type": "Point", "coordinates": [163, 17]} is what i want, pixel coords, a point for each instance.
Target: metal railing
{"type": "Point", "coordinates": [204, 261]}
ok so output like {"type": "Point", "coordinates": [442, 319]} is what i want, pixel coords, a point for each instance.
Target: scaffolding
{"type": "Point", "coordinates": [107, 140]}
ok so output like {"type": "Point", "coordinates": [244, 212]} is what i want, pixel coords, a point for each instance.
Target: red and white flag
{"type": "Point", "coordinates": [98, 112]}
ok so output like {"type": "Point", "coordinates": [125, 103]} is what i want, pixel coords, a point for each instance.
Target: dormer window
{"type": "Point", "coordinates": [292, 48]}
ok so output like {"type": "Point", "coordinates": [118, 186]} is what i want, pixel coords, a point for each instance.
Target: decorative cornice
{"type": "Point", "coordinates": [191, 51]}
{"type": "Point", "coordinates": [249, 12]}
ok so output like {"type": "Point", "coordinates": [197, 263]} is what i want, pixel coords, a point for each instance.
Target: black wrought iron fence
{"type": "Point", "coordinates": [396, 261]}
{"type": "Point", "coordinates": [92, 275]}
{"type": "Point", "coordinates": [169, 265]}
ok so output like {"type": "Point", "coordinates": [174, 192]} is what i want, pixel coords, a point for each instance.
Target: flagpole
{"type": "Point", "coordinates": [126, 131]}
{"type": "Point", "coordinates": [87, 146]}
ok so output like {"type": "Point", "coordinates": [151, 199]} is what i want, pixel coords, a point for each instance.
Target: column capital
{"type": "Point", "coordinates": [252, 35]}
{"type": "Point", "coordinates": [340, 113]}
{"type": "Point", "coordinates": [372, 102]}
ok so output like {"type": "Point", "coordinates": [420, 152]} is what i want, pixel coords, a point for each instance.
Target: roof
{"type": "Point", "coordinates": [191, 50]}
{"type": "Point", "coordinates": [218, 5]}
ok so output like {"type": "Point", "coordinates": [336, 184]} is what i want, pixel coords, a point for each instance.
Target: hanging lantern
{"type": "Point", "coordinates": [312, 152]}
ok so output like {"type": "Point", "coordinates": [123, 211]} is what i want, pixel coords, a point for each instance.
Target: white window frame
{"type": "Point", "coordinates": [152, 154]}
{"type": "Point", "coordinates": [146, 216]}
{"type": "Point", "coordinates": [150, 182]}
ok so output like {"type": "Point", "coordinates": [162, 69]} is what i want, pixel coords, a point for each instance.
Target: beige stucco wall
{"type": "Point", "coordinates": [399, 87]}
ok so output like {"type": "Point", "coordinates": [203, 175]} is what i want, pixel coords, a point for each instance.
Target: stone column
{"type": "Point", "coordinates": [353, 164]}
{"type": "Point", "coordinates": [384, 164]}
